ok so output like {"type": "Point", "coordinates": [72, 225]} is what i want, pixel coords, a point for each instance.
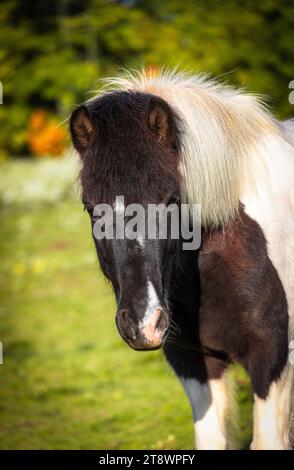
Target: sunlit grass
{"type": "Point", "coordinates": [68, 380]}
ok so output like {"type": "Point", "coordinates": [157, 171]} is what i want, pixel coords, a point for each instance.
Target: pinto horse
{"type": "Point", "coordinates": [168, 139]}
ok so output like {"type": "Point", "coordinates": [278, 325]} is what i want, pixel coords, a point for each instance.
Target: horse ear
{"type": "Point", "coordinates": [160, 120]}
{"type": "Point", "coordinates": [81, 128]}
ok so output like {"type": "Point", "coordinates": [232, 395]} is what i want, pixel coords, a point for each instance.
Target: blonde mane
{"type": "Point", "coordinates": [221, 131]}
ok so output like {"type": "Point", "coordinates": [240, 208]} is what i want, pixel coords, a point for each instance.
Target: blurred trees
{"type": "Point", "coordinates": [52, 52]}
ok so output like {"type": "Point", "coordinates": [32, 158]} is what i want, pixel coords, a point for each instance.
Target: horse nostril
{"type": "Point", "coordinates": [126, 324]}
{"type": "Point", "coordinates": [161, 321]}
{"type": "Point", "coordinates": [158, 314]}
{"type": "Point", "coordinates": [123, 314]}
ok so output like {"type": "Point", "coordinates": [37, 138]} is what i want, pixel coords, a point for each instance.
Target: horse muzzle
{"type": "Point", "coordinates": [146, 335]}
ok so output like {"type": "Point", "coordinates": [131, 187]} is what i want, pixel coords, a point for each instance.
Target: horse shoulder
{"type": "Point", "coordinates": [242, 297]}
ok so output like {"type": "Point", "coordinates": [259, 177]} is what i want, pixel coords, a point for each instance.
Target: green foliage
{"type": "Point", "coordinates": [52, 52]}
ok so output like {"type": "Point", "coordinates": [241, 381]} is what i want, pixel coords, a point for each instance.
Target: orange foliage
{"type": "Point", "coordinates": [152, 71]}
{"type": "Point", "coordinates": [45, 136]}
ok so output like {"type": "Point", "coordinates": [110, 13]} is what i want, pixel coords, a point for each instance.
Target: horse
{"type": "Point", "coordinates": [174, 138]}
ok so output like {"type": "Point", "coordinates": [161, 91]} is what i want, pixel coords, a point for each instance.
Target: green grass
{"type": "Point", "coordinates": [68, 380]}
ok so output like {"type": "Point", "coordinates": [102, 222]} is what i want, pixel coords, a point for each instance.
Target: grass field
{"type": "Point", "coordinates": [68, 381]}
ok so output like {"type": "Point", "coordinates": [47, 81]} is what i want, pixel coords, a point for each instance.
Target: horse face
{"type": "Point", "coordinates": [128, 145]}
{"type": "Point", "coordinates": [139, 270]}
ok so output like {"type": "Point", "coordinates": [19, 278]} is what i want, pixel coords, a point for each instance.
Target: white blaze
{"type": "Point", "coordinates": [153, 303]}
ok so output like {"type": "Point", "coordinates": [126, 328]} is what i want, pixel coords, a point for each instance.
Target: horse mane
{"type": "Point", "coordinates": [221, 132]}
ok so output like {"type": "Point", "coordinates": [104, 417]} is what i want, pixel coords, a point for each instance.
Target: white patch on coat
{"type": "Point", "coordinates": [140, 240]}
{"type": "Point", "coordinates": [272, 416]}
{"type": "Point", "coordinates": [271, 205]}
{"type": "Point", "coordinates": [209, 405]}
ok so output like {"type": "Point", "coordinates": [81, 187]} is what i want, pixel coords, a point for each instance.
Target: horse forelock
{"type": "Point", "coordinates": [124, 158]}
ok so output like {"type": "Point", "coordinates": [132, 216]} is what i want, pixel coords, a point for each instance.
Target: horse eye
{"type": "Point", "coordinates": [174, 199]}
{"type": "Point", "coordinates": [88, 208]}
